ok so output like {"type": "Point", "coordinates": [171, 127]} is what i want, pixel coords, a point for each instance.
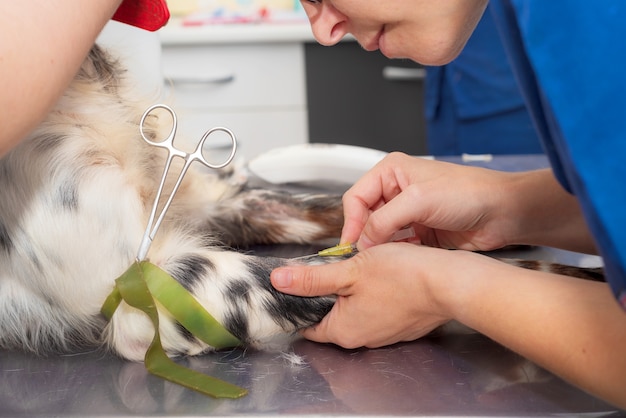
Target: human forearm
{"type": "Point", "coordinates": [42, 46]}
{"type": "Point", "coordinates": [536, 210]}
{"type": "Point", "coordinates": [399, 292]}
{"type": "Point", "coordinates": [571, 327]}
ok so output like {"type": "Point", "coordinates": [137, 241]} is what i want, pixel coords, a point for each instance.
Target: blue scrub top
{"type": "Point", "coordinates": [480, 78]}
{"type": "Point", "coordinates": [570, 60]}
{"type": "Point", "coordinates": [474, 104]}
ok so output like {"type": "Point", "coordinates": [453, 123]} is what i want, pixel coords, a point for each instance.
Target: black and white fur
{"type": "Point", "coordinates": [74, 201]}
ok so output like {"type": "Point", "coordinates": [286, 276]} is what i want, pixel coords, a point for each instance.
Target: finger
{"type": "Point", "coordinates": [354, 221]}
{"type": "Point", "coordinates": [356, 211]}
{"type": "Point", "coordinates": [329, 279]}
{"type": "Point", "coordinates": [317, 333]}
{"type": "Point", "coordinates": [392, 217]}
{"type": "Point", "coordinates": [367, 195]}
{"type": "Point", "coordinates": [326, 330]}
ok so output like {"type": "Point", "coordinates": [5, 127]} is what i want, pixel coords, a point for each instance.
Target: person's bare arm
{"type": "Point", "coordinates": [572, 327]}
{"type": "Point", "coordinates": [536, 210]}
{"type": "Point", "coordinates": [399, 292]}
{"type": "Point", "coordinates": [42, 45]}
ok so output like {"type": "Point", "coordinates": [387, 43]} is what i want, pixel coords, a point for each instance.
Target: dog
{"type": "Point", "coordinates": [76, 196]}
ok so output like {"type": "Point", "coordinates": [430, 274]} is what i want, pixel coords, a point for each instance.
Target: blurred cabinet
{"type": "Point", "coordinates": [255, 89]}
{"type": "Point", "coordinates": [273, 86]}
{"type": "Point", "coordinates": [363, 98]}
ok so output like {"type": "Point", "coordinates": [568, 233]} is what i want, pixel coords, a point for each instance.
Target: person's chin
{"type": "Point", "coordinates": [389, 49]}
{"type": "Point", "coordinates": [384, 47]}
{"type": "Point", "coordinates": [394, 45]}
{"type": "Point", "coordinates": [372, 44]}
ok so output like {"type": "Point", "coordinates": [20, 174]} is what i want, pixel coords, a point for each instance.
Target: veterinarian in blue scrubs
{"type": "Point", "coordinates": [570, 59]}
{"type": "Point", "coordinates": [474, 104]}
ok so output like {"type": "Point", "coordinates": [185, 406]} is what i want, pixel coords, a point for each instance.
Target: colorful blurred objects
{"type": "Point", "coordinates": [205, 12]}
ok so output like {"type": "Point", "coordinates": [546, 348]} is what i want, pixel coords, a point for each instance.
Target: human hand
{"type": "Point", "coordinates": [398, 292]}
{"type": "Point", "coordinates": [383, 294]}
{"type": "Point", "coordinates": [447, 205]}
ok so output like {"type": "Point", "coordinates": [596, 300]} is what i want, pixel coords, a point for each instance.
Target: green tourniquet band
{"type": "Point", "coordinates": [111, 303]}
{"type": "Point", "coordinates": [186, 309]}
{"type": "Point", "coordinates": [136, 287]}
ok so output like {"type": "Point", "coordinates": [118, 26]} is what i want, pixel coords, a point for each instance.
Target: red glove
{"type": "Point", "coordinates": [146, 14]}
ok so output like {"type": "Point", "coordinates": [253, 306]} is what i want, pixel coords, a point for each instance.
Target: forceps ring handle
{"type": "Point", "coordinates": [168, 142]}
{"type": "Point", "coordinates": [207, 134]}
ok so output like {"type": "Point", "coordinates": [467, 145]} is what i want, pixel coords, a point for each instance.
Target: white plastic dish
{"type": "Point", "coordinates": [315, 162]}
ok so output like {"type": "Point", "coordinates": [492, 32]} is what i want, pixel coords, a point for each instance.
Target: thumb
{"type": "Point", "coordinates": [322, 280]}
{"type": "Point", "coordinates": [384, 223]}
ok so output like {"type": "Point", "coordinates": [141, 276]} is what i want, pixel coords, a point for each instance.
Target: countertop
{"type": "Point", "coordinates": [446, 375]}
{"type": "Point", "coordinates": [175, 33]}
{"type": "Point", "coordinates": [449, 374]}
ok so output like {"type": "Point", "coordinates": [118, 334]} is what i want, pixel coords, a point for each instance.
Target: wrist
{"type": "Point", "coordinates": [461, 295]}
{"type": "Point", "coordinates": [540, 212]}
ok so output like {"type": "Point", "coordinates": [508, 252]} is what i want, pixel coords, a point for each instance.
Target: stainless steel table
{"type": "Point", "coordinates": [450, 374]}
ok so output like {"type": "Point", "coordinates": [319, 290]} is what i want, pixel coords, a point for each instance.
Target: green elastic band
{"type": "Point", "coordinates": [139, 286]}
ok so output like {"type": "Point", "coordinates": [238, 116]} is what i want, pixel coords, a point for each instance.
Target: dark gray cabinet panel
{"type": "Point", "coordinates": [362, 98]}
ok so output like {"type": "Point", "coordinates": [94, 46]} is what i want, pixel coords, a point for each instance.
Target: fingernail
{"type": "Point", "coordinates": [364, 243]}
{"type": "Point", "coordinates": [282, 278]}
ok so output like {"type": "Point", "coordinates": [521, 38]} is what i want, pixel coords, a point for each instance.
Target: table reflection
{"type": "Point", "coordinates": [447, 374]}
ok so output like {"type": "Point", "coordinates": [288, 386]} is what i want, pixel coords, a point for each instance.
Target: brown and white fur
{"type": "Point", "coordinates": [74, 201]}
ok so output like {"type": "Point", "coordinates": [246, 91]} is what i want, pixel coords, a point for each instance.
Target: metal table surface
{"type": "Point", "coordinates": [451, 374]}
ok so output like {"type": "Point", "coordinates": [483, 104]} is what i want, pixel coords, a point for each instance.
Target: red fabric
{"type": "Point", "coordinates": [146, 14]}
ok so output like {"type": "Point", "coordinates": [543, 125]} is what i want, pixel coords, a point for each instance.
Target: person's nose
{"type": "Point", "coordinates": [329, 25]}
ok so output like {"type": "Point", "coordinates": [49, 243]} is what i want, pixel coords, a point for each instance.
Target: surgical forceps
{"type": "Point", "coordinates": [168, 144]}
